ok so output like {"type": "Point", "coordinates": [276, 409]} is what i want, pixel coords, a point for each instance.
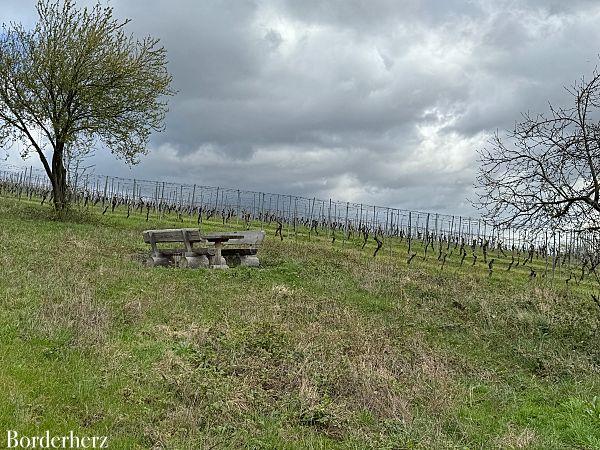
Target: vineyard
{"type": "Point", "coordinates": [560, 256]}
{"type": "Point", "coordinates": [174, 314]}
{"type": "Point", "coordinates": [349, 335]}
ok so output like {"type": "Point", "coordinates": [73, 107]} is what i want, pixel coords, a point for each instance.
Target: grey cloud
{"type": "Point", "coordinates": [375, 101]}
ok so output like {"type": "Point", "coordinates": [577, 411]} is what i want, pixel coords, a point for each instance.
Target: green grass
{"type": "Point", "coordinates": [324, 346]}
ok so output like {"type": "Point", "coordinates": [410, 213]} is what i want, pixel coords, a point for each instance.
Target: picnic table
{"type": "Point", "coordinates": [218, 239]}
{"type": "Point", "coordinates": [217, 250]}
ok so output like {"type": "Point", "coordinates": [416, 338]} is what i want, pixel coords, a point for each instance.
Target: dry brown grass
{"type": "Point", "coordinates": [75, 315]}
{"type": "Point", "coordinates": [329, 360]}
{"type": "Point", "coordinates": [516, 438]}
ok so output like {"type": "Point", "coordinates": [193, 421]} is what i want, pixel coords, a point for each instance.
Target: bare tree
{"type": "Point", "coordinates": [546, 172]}
{"type": "Point", "coordinates": [77, 80]}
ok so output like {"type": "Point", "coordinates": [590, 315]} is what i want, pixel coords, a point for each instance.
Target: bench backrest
{"type": "Point", "coordinates": [173, 235]}
{"type": "Point", "coordinates": [246, 238]}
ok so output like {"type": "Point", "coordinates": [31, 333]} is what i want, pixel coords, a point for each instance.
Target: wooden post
{"type": "Point", "coordinates": [409, 231]}
{"type": "Point", "coordinates": [451, 232]}
{"type": "Point", "coordinates": [546, 250]}
{"type": "Point", "coordinates": [133, 194]}
{"type": "Point", "coordinates": [262, 210]}
{"type": "Point", "coordinates": [217, 200]}
{"type": "Point", "coordinates": [201, 210]}
{"type": "Point", "coordinates": [387, 218]}
{"type": "Point", "coordinates": [360, 223]}
{"type": "Point", "coordinates": [374, 229]}
{"type": "Point", "coordinates": [426, 236]}
{"type": "Point", "coordinates": [311, 218]}
{"type": "Point", "coordinates": [29, 189]}
{"type": "Point", "coordinates": [193, 200]}
{"type": "Point", "coordinates": [346, 222]}
{"type": "Point", "coordinates": [238, 207]}
{"type": "Point", "coordinates": [105, 188]}
{"type": "Point", "coordinates": [553, 253]}
{"type": "Point", "coordinates": [295, 216]}
{"type": "Point", "coordinates": [162, 198]}
{"type": "Point", "coordinates": [389, 229]}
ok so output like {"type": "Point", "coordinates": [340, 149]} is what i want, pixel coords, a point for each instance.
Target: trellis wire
{"type": "Point", "coordinates": [315, 215]}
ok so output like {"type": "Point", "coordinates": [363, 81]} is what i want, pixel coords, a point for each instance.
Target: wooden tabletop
{"type": "Point", "coordinates": [220, 237]}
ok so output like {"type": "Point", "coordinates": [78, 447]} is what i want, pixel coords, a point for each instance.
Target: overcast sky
{"type": "Point", "coordinates": [376, 101]}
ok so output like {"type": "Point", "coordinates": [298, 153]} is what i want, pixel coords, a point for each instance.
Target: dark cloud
{"type": "Point", "coordinates": [376, 101]}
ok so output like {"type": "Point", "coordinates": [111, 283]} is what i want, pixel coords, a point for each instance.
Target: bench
{"type": "Point", "coordinates": [188, 256]}
{"type": "Point", "coordinates": [242, 250]}
{"type": "Point", "coordinates": [217, 250]}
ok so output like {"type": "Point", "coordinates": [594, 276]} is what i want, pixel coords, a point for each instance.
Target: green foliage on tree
{"type": "Point", "coordinates": [75, 81]}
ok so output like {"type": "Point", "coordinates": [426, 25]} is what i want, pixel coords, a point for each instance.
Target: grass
{"type": "Point", "coordinates": [324, 346]}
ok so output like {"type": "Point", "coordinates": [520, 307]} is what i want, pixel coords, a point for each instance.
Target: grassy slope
{"type": "Point", "coordinates": [322, 347]}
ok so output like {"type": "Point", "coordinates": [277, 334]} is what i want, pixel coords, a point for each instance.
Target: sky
{"type": "Point", "coordinates": [376, 101]}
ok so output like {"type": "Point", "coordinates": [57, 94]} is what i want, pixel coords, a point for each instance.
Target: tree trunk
{"type": "Point", "coordinates": [59, 178]}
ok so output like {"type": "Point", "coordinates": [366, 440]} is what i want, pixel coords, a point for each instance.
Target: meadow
{"type": "Point", "coordinates": [323, 346]}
